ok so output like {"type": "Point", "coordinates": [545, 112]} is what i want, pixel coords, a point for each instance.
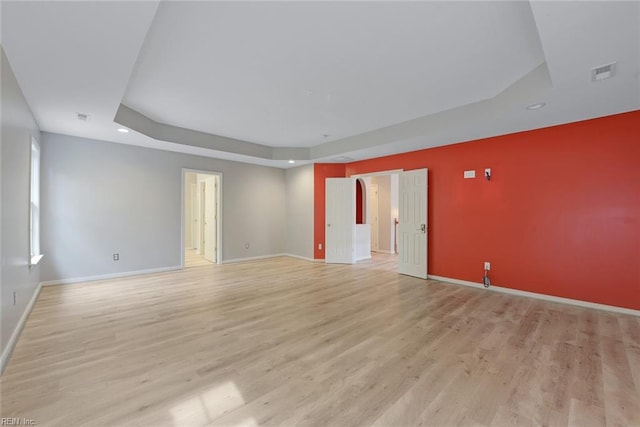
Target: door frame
{"type": "Point", "coordinates": [195, 211]}
{"type": "Point", "coordinates": [219, 193]}
{"type": "Point", "coordinates": [202, 201]}
{"type": "Point", "coordinates": [374, 222]}
{"type": "Point", "coordinates": [378, 173]}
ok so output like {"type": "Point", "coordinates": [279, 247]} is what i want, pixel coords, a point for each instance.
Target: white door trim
{"type": "Point", "coordinates": [209, 211]}
{"type": "Point", "coordinates": [387, 172]}
{"type": "Point", "coordinates": [374, 207]}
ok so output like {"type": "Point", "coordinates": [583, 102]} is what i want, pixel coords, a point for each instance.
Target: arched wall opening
{"type": "Point", "coordinates": [361, 202]}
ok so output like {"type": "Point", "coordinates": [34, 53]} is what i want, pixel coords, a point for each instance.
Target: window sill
{"type": "Point", "coordinates": [35, 260]}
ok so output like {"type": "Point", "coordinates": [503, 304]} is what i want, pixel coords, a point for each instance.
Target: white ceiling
{"type": "Point", "coordinates": [264, 82]}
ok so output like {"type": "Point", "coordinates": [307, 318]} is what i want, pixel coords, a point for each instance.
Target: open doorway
{"type": "Point", "coordinates": [361, 217]}
{"type": "Point", "coordinates": [381, 210]}
{"type": "Point", "coordinates": [403, 226]}
{"type": "Point", "coordinates": [201, 218]}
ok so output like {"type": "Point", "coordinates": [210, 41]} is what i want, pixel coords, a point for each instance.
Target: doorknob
{"type": "Point", "coordinates": [328, 225]}
{"type": "Point", "coordinates": [423, 228]}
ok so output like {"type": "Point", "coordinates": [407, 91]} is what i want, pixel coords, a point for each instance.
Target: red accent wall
{"type": "Point", "coordinates": [560, 216]}
{"type": "Point", "coordinates": [359, 203]}
{"type": "Point", "coordinates": [320, 172]}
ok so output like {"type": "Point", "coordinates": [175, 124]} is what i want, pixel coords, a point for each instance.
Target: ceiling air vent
{"type": "Point", "coordinates": [603, 72]}
{"type": "Point", "coordinates": [82, 117]}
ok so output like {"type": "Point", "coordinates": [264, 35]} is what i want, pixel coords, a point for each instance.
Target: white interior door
{"type": "Point", "coordinates": [375, 221]}
{"type": "Point", "coordinates": [210, 237]}
{"type": "Point", "coordinates": [197, 227]}
{"type": "Point", "coordinates": [340, 220]}
{"type": "Point", "coordinates": [193, 199]}
{"type": "Point", "coordinates": [412, 229]}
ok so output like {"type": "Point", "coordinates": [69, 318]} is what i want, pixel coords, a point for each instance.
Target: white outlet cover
{"type": "Point", "coordinates": [469, 174]}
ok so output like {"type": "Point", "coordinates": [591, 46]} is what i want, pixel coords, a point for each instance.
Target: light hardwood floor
{"type": "Point", "coordinates": [193, 259]}
{"type": "Point", "coordinates": [289, 342]}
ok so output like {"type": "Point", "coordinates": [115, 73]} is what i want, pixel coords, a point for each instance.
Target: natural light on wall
{"type": "Point", "coordinates": [34, 207]}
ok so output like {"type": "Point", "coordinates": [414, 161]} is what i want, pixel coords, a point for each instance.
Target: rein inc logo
{"type": "Point", "coordinates": [16, 421]}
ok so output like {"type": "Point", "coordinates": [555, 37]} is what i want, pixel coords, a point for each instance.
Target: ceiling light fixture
{"type": "Point", "coordinates": [536, 106]}
{"type": "Point", "coordinates": [292, 161]}
{"type": "Point", "coordinates": [123, 130]}
{"type": "Point", "coordinates": [83, 117]}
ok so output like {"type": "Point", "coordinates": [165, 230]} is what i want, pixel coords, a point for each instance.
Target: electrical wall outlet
{"type": "Point", "coordinates": [487, 265]}
{"type": "Point", "coordinates": [319, 246]}
{"type": "Point", "coordinates": [246, 246]}
{"type": "Point", "coordinates": [116, 257]}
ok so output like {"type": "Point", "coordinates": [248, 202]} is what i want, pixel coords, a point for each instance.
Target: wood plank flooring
{"type": "Point", "coordinates": [193, 259]}
{"type": "Point", "coordinates": [288, 342]}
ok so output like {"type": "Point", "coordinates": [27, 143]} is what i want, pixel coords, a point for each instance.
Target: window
{"type": "Point", "coordinates": [34, 207]}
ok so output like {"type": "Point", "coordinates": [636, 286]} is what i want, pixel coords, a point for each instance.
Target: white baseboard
{"type": "Point", "coordinates": [381, 251]}
{"type": "Point", "coordinates": [8, 350]}
{"type": "Point", "coordinates": [253, 258]}
{"type": "Point", "coordinates": [302, 257]}
{"type": "Point", "coordinates": [108, 276]}
{"type": "Point", "coordinates": [234, 260]}
{"type": "Point", "coordinates": [551, 298]}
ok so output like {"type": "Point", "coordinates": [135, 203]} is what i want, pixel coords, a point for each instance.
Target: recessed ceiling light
{"type": "Point", "coordinates": [536, 106]}
{"type": "Point", "coordinates": [123, 130]}
{"type": "Point", "coordinates": [292, 161]}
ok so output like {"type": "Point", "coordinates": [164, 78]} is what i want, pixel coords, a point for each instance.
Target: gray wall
{"type": "Point", "coordinates": [18, 126]}
{"type": "Point", "coordinates": [299, 218]}
{"type": "Point", "coordinates": [100, 198]}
